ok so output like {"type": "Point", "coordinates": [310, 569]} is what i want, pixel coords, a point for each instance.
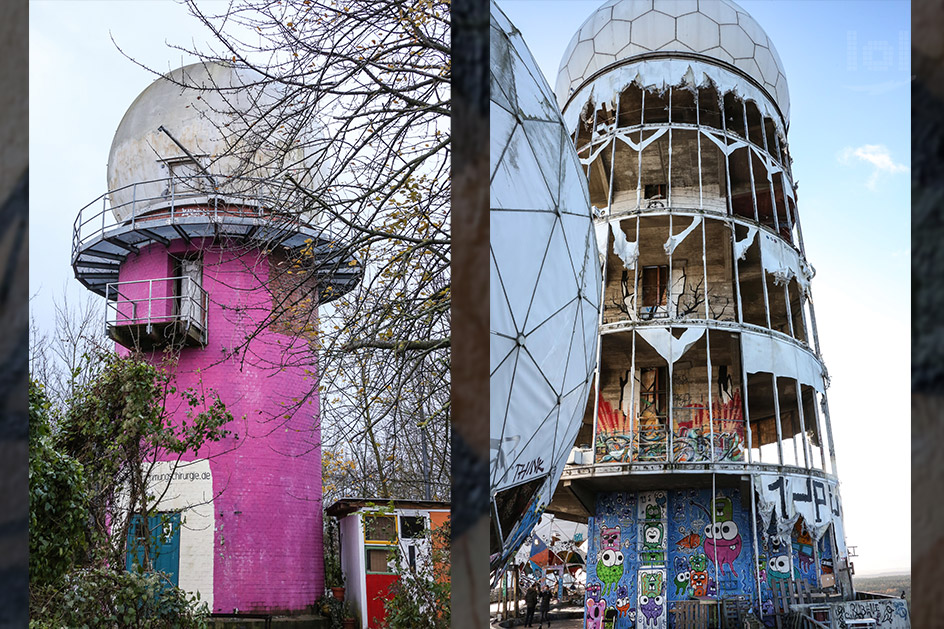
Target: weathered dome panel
{"type": "Point", "coordinates": [718, 29]}
{"type": "Point", "coordinates": [207, 108]}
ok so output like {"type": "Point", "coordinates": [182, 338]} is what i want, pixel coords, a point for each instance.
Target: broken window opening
{"type": "Point", "coordinates": [619, 297]}
{"type": "Point", "coordinates": [652, 414]}
{"type": "Point", "coordinates": [777, 308]}
{"type": "Point", "coordinates": [742, 198]}
{"type": "Point", "coordinates": [655, 286]}
{"type": "Point", "coordinates": [683, 106]}
{"type": "Point", "coordinates": [599, 173]}
{"type": "Point", "coordinates": [762, 417]}
{"type": "Point", "coordinates": [656, 108]}
{"type": "Point", "coordinates": [630, 107]}
{"type": "Point", "coordinates": [684, 181]}
{"type": "Point", "coordinates": [734, 115]}
{"type": "Point", "coordinates": [755, 129]}
{"type": "Point", "coordinates": [709, 108]}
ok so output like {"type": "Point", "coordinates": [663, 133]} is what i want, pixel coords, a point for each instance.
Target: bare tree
{"type": "Point", "coordinates": [63, 359]}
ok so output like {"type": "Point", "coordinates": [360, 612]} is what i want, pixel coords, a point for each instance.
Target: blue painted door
{"type": "Point", "coordinates": [162, 537]}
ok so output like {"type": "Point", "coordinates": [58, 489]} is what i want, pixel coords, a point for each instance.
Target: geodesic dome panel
{"type": "Point", "coordinates": [544, 291]}
{"type": "Point", "coordinates": [720, 29]}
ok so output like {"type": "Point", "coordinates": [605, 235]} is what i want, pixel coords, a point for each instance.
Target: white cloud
{"type": "Point", "coordinates": [877, 156]}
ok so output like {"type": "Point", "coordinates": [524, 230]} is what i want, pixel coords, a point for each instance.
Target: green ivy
{"type": "Point", "coordinates": [420, 598]}
{"type": "Point", "coordinates": [88, 479]}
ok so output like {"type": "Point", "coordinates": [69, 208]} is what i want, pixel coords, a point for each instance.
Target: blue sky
{"type": "Point", "coordinates": [848, 69]}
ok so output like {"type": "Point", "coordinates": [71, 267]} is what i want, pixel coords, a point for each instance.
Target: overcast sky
{"type": "Point", "coordinates": [849, 136]}
{"type": "Point", "coordinates": [80, 87]}
{"type": "Point", "coordinates": [850, 140]}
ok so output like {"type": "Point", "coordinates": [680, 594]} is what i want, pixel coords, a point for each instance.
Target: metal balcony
{"type": "Point", "coordinates": [244, 210]}
{"type": "Point", "coordinates": [156, 313]}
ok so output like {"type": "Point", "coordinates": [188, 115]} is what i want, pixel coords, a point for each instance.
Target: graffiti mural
{"type": "Point", "coordinates": [652, 513]}
{"type": "Point", "coordinates": [695, 438]}
{"type": "Point", "coordinates": [649, 550]}
{"type": "Point", "coordinates": [671, 551]}
{"type": "Point", "coordinates": [888, 613]}
{"type": "Point", "coordinates": [692, 439]}
{"type": "Point", "coordinates": [611, 564]}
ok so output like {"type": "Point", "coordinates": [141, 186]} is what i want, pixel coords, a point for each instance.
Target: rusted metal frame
{"type": "Point", "coordinates": [776, 393]}
{"type": "Point", "coordinates": [730, 204]}
{"type": "Point", "coordinates": [632, 368]}
{"type": "Point", "coordinates": [756, 540]}
{"type": "Point", "coordinates": [807, 454]}
{"type": "Point", "coordinates": [829, 434]}
{"type": "Point", "coordinates": [750, 167]}
{"type": "Point", "coordinates": [770, 177]}
{"type": "Point", "coordinates": [672, 310]}
{"type": "Point", "coordinates": [820, 430]}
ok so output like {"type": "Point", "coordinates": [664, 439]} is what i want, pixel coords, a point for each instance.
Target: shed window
{"type": "Point", "coordinates": [378, 560]}
{"type": "Point", "coordinates": [412, 526]}
{"type": "Point", "coordinates": [380, 528]}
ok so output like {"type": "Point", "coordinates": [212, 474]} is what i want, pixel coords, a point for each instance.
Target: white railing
{"type": "Point", "coordinates": [162, 300]}
{"type": "Point", "coordinates": [176, 197]}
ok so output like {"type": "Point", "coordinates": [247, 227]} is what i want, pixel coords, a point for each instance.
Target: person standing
{"type": "Point", "coordinates": [530, 601]}
{"type": "Point", "coordinates": [545, 606]}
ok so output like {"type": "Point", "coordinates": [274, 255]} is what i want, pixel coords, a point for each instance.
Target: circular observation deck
{"type": "Point", "coordinates": [240, 210]}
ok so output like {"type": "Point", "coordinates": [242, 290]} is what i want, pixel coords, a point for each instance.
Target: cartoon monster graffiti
{"type": "Point", "coordinates": [609, 537]}
{"type": "Point", "coordinates": [652, 583]}
{"type": "Point", "coordinates": [681, 583]}
{"type": "Point", "coordinates": [778, 569]}
{"type": "Point", "coordinates": [698, 574]}
{"type": "Point", "coordinates": [803, 547]}
{"type": "Point", "coordinates": [699, 582]}
{"type": "Point", "coordinates": [651, 608]}
{"type": "Point", "coordinates": [653, 512]}
{"type": "Point", "coordinates": [610, 569]}
{"type": "Point", "coordinates": [722, 540]}
{"type": "Point", "coordinates": [595, 612]}
{"type": "Point", "coordinates": [653, 543]}
{"type": "Point", "coordinates": [623, 604]}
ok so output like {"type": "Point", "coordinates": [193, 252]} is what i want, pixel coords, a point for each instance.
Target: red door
{"type": "Point", "coordinates": [378, 590]}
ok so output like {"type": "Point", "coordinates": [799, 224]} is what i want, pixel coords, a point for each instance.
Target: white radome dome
{"type": "Point", "coordinates": [202, 120]}
{"type": "Point", "coordinates": [544, 289]}
{"type": "Point", "coordinates": [719, 29]}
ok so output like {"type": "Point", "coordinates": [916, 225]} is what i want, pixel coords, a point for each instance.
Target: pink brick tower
{"type": "Point", "coordinates": [189, 250]}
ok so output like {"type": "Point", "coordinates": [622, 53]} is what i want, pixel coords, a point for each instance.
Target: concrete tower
{"type": "Point", "coordinates": [188, 247]}
{"type": "Point", "coordinates": [708, 470]}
